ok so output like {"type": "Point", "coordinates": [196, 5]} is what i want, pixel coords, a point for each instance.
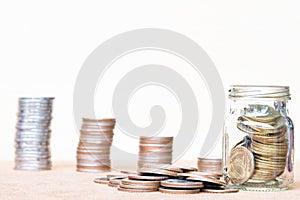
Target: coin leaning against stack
{"type": "Point", "coordinates": [93, 151]}
{"type": "Point", "coordinates": [155, 150]}
{"type": "Point", "coordinates": [33, 134]}
{"type": "Point", "coordinates": [261, 155]}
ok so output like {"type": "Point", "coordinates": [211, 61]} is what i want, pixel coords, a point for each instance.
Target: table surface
{"type": "Point", "coordinates": [63, 182]}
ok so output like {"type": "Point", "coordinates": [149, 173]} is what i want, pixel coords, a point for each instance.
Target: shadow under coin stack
{"type": "Point", "coordinates": [93, 152]}
{"type": "Point", "coordinates": [155, 151]}
{"type": "Point", "coordinates": [33, 134]}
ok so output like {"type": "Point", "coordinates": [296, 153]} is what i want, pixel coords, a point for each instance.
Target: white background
{"type": "Point", "coordinates": [43, 45]}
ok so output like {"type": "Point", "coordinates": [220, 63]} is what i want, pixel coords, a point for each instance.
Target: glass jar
{"type": "Point", "coordinates": [258, 139]}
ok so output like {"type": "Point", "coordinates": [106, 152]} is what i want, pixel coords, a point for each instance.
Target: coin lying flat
{"type": "Point", "coordinates": [147, 178]}
{"type": "Point", "coordinates": [109, 176]}
{"type": "Point", "coordinates": [139, 187]}
{"type": "Point", "coordinates": [187, 169]}
{"type": "Point", "coordinates": [140, 182]}
{"type": "Point", "coordinates": [127, 172]}
{"type": "Point", "coordinates": [153, 171]}
{"type": "Point", "coordinates": [102, 180]}
{"type": "Point", "coordinates": [178, 191]}
{"type": "Point", "coordinates": [176, 183]}
{"type": "Point", "coordinates": [241, 165]}
{"type": "Point", "coordinates": [115, 181]}
{"type": "Point", "coordinates": [205, 180]}
{"type": "Point", "coordinates": [190, 182]}
{"type": "Point", "coordinates": [135, 190]}
{"type": "Point", "coordinates": [220, 191]}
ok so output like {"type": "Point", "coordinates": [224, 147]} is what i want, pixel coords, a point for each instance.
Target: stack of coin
{"type": "Point", "coordinates": [210, 165]}
{"type": "Point", "coordinates": [155, 150]}
{"type": "Point", "coordinates": [115, 181]}
{"type": "Point", "coordinates": [135, 183]}
{"type": "Point", "coordinates": [33, 134]}
{"type": "Point", "coordinates": [265, 144]}
{"type": "Point", "coordinates": [93, 152]}
{"type": "Point", "coordinates": [177, 186]}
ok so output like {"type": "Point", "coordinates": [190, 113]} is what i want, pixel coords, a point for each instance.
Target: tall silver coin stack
{"type": "Point", "coordinates": [93, 151]}
{"type": "Point", "coordinates": [155, 151]}
{"type": "Point", "coordinates": [33, 134]}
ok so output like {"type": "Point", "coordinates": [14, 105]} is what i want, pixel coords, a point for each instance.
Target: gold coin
{"type": "Point", "coordinates": [241, 165]}
{"type": "Point", "coordinates": [267, 113]}
{"type": "Point", "coordinates": [246, 129]}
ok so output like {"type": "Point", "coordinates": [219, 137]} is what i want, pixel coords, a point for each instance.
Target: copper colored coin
{"type": "Point", "coordinates": [135, 190]}
{"type": "Point", "coordinates": [157, 171]}
{"type": "Point", "coordinates": [206, 179]}
{"type": "Point", "coordinates": [147, 178]}
{"type": "Point", "coordinates": [172, 168]}
{"type": "Point", "coordinates": [91, 169]}
{"type": "Point", "coordinates": [220, 191]}
{"type": "Point", "coordinates": [187, 168]}
{"type": "Point", "coordinates": [179, 191]}
{"type": "Point", "coordinates": [102, 180]}
{"type": "Point", "coordinates": [115, 175]}
{"type": "Point", "coordinates": [140, 182]}
{"type": "Point", "coordinates": [140, 187]}
{"type": "Point", "coordinates": [113, 185]}
{"type": "Point", "coordinates": [144, 139]}
{"type": "Point", "coordinates": [99, 120]}
{"type": "Point", "coordinates": [84, 127]}
{"type": "Point", "coordinates": [116, 180]}
{"type": "Point", "coordinates": [127, 172]}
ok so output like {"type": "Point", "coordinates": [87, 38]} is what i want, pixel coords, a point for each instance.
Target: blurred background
{"type": "Point", "coordinates": [43, 46]}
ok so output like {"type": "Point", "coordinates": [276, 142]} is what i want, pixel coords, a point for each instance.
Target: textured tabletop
{"type": "Point", "coordinates": [63, 182]}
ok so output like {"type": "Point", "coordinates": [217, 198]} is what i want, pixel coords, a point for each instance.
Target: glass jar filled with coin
{"type": "Point", "coordinates": [258, 140]}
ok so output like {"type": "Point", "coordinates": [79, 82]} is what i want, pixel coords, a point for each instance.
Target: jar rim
{"type": "Point", "coordinates": [259, 91]}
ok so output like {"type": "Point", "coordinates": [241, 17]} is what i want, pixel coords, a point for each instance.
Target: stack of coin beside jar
{"type": "Point", "coordinates": [33, 134]}
{"type": "Point", "coordinates": [93, 152]}
{"type": "Point", "coordinates": [210, 165]}
{"type": "Point", "coordinates": [155, 151]}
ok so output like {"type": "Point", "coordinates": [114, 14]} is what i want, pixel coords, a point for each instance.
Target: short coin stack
{"type": "Point", "coordinates": [33, 134]}
{"type": "Point", "coordinates": [178, 186]}
{"type": "Point", "coordinates": [93, 152]}
{"type": "Point", "coordinates": [135, 183]}
{"type": "Point", "coordinates": [155, 150]}
{"type": "Point", "coordinates": [210, 165]}
{"type": "Point", "coordinates": [263, 149]}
